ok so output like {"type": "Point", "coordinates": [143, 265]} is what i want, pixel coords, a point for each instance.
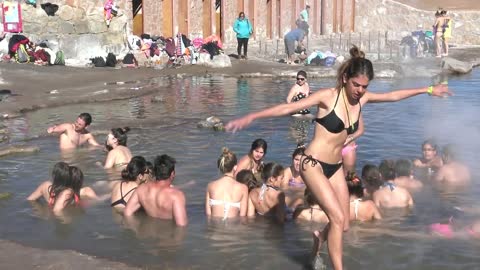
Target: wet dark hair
{"type": "Point", "coordinates": [76, 176]}
{"type": "Point", "coordinates": [387, 169]}
{"type": "Point", "coordinates": [298, 151]}
{"type": "Point", "coordinates": [150, 168]}
{"type": "Point", "coordinates": [354, 184]}
{"type": "Point", "coordinates": [86, 117]}
{"type": "Point", "coordinates": [121, 135]}
{"type": "Point", "coordinates": [136, 166]}
{"type": "Point", "coordinates": [430, 142]}
{"type": "Point", "coordinates": [60, 179]}
{"type": "Point", "coordinates": [444, 12]}
{"type": "Point", "coordinates": [246, 177]}
{"type": "Point", "coordinates": [307, 6]}
{"type": "Point", "coordinates": [302, 73]}
{"type": "Point", "coordinates": [241, 13]}
{"type": "Point", "coordinates": [309, 197]}
{"type": "Point", "coordinates": [257, 144]}
{"type": "Point", "coordinates": [271, 169]}
{"type": "Point", "coordinates": [227, 161]}
{"type": "Point", "coordinates": [371, 176]}
{"type": "Point", "coordinates": [403, 167]}
{"type": "Point", "coordinates": [164, 165]}
{"type": "Point", "coordinates": [355, 66]}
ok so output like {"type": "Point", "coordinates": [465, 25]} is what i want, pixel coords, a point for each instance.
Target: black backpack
{"type": "Point", "coordinates": [129, 59]}
{"type": "Point", "coordinates": [111, 60]}
{"type": "Point", "coordinates": [98, 61]}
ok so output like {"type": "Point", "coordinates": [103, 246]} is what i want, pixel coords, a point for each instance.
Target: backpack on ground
{"type": "Point", "coordinates": [111, 60]}
{"type": "Point", "coordinates": [21, 56]}
{"type": "Point", "coordinates": [60, 58]}
{"type": "Point", "coordinates": [98, 61]}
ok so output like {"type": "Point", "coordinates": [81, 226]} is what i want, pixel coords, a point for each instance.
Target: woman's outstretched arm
{"type": "Point", "coordinates": [437, 90]}
{"type": "Point", "coordinates": [278, 110]}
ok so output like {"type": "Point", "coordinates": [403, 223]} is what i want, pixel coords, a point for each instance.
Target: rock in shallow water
{"type": "Point", "coordinates": [212, 122]}
{"type": "Point", "coordinates": [456, 66]}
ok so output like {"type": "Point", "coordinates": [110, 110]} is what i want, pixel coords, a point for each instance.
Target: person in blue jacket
{"type": "Point", "coordinates": [243, 28]}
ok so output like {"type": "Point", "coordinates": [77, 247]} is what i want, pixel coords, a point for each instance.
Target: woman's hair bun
{"type": "Point", "coordinates": [355, 52]}
{"type": "Point", "coordinates": [125, 129]}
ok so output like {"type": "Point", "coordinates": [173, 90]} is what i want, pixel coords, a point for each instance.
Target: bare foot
{"type": "Point", "coordinates": [317, 261]}
{"type": "Point", "coordinates": [317, 243]}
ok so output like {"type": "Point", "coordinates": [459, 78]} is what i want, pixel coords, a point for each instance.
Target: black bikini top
{"type": "Point", "coordinates": [334, 124]}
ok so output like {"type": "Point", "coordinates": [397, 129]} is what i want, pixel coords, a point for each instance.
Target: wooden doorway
{"type": "Point", "coordinates": [207, 18]}
{"type": "Point", "coordinates": [182, 16]}
{"type": "Point", "coordinates": [240, 6]}
{"type": "Point", "coordinates": [219, 19]}
{"type": "Point", "coordinates": [251, 15]}
{"type": "Point", "coordinates": [315, 20]}
{"type": "Point", "coordinates": [269, 19]}
{"type": "Point", "coordinates": [279, 19]}
{"type": "Point", "coordinates": [137, 9]}
{"type": "Point", "coordinates": [167, 18]}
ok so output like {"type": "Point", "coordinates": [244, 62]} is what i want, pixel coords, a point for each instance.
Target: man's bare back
{"type": "Point", "coordinates": [158, 198]}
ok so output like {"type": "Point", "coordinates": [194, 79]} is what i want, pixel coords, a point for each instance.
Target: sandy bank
{"type": "Point", "coordinates": [15, 256]}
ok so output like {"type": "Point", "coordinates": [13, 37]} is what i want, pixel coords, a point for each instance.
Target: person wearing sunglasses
{"type": "Point", "coordinates": [299, 91]}
{"type": "Point", "coordinates": [339, 111]}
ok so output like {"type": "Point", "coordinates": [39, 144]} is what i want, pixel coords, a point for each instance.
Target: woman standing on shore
{"type": "Point", "coordinates": [243, 28]}
{"type": "Point", "coordinates": [339, 111]}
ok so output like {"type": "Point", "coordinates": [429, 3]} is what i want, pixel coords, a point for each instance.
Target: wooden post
{"type": "Point", "coordinates": [360, 40]}
{"type": "Point", "coordinates": [352, 23]}
{"type": "Point", "coordinates": [378, 48]}
{"type": "Point", "coordinates": [340, 42]}
{"type": "Point", "coordinates": [369, 41]}
{"type": "Point", "coordinates": [349, 43]}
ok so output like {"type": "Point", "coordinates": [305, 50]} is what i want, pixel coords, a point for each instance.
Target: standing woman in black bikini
{"type": "Point", "coordinates": [338, 115]}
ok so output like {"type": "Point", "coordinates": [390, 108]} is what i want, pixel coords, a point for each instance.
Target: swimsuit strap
{"type": "Point", "coordinates": [355, 206]}
{"type": "Point", "coordinates": [262, 191]}
{"type": "Point", "coordinates": [390, 185]}
{"type": "Point", "coordinates": [309, 159]}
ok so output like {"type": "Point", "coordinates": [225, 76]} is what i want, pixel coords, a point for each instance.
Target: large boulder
{"type": "Point", "coordinates": [218, 61]}
{"type": "Point", "coordinates": [456, 66]}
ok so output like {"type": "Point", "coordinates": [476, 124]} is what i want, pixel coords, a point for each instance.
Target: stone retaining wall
{"type": "Point", "coordinates": [78, 27]}
{"type": "Point", "coordinates": [399, 19]}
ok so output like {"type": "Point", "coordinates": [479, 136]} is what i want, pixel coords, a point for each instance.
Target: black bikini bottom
{"type": "Point", "coordinates": [328, 169]}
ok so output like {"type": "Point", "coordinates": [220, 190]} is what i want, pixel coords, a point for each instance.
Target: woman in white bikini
{"type": "Point", "coordinates": [225, 197]}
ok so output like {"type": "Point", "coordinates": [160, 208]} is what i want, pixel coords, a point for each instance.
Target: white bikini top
{"type": "Point", "coordinates": [355, 207]}
{"type": "Point", "coordinates": [226, 206]}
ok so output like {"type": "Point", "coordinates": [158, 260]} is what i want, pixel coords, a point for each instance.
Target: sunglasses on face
{"type": "Point", "coordinates": [300, 79]}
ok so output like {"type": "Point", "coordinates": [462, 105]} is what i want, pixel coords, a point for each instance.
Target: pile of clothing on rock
{"type": "Point", "coordinates": [320, 58]}
{"type": "Point", "coordinates": [417, 44]}
{"type": "Point", "coordinates": [20, 49]}
{"type": "Point", "coordinates": [160, 52]}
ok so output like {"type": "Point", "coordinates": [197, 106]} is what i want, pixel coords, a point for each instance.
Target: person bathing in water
{"type": "Point", "coordinates": [64, 189]}
{"type": "Point", "coordinates": [269, 200]}
{"type": "Point", "coordinates": [118, 153]}
{"type": "Point", "coordinates": [135, 174]}
{"type": "Point", "coordinates": [254, 159]}
{"type": "Point", "coordinates": [339, 111]}
{"type": "Point", "coordinates": [300, 90]}
{"type": "Point", "coordinates": [73, 135]}
{"type": "Point", "coordinates": [225, 197]}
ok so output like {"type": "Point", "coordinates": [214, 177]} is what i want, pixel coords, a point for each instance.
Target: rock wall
{"type": "Point", "coordinates": [399, 19]}
{"type": "Point", "coordinates": [78, 27]}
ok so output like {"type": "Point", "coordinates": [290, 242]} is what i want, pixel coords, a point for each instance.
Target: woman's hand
{"type": "Point", "coordinates": [239, 123]}
{"type": "Point", "coordinates": [441, 90]}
